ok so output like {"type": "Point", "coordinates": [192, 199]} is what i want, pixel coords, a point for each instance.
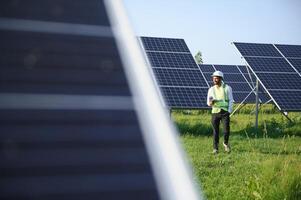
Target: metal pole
{"type": "Point", "coordinates": [257, 102]}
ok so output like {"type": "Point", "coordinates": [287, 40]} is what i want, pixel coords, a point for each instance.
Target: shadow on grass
{"type": "Point", "coordinates": [269, 129]}
{"type": "Point", "coordinates": [197, 129]}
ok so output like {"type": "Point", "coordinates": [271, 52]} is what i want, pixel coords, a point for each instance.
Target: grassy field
{"type": "Point", "coordinates": [263, 163]}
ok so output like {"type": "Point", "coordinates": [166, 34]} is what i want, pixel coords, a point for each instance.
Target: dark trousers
{"type": "Point", "coordinates": [223, 116]}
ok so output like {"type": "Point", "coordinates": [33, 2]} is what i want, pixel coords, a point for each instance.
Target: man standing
{"type": "Point", "coordinates": [220, 98]}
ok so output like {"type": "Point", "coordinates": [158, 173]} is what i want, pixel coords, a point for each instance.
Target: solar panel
{"type": "Point", "coordinates": [243, 97]}
{"type": "Point", "coordinates": [290, 100]}
{"type": "Point", "coordinates": [227, 68]}
{"type": "Point", "coordinates": [280, 81]}
{"type": "Point", "coordinates": [296, 63]}
{"type": "Point", "coordinates": [207, 68]}
{"type": "Point", "coordinates": [171, 60]}
{"type": "Point", "coordinates": [293, 51]}
{"type": "Point", "coordinates": [244, 69]}
{"type": "Point", "coordinates": [230, 77]}
{"type": "Point", "coordinates": [164, 44]}
{"type": "Point", "coordinates": [176, 73]}
{"type": "Point", "coordinates": [185, 97]}
{"type": "Point", "coordinates": [260, 64]}
{"type": "Point", "coordinates": [179, 77]}
{"type": "Point", "coordinates": [240, 87]}
{"type": "Point", "coordinates": [275, 72]}
{"type": "Point", "coordinates": [255, 49]}
{"type": "Point", "coordinates": [69, 128]}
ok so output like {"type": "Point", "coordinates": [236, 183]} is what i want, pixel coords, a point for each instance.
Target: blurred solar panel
{"type": "Point", "coordinates": [164, 44]}
{"type": "Point", "coordinates": [275, 73]}
{"type": "Point", "coordinates": [68, 125]}
{"type": "Point", "coordinates": [176, 73]}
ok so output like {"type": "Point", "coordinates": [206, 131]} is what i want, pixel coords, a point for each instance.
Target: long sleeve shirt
{"type": "Point", "coordinates": [228, 91]}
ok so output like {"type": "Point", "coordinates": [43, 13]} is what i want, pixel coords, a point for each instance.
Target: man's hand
{"type": "Point", "coordinates": [211, 101]}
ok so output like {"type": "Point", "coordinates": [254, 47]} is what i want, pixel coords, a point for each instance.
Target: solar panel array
{"type": "Point", "coordinates": [238, 78]}
{"type": "Point", "coordinates": [68, 127]}
{"type": "Point", "coordinates": [176, 73]}
{"type": "Point", "coordinates": [278, 69]}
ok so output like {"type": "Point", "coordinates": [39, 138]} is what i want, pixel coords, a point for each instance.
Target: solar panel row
{"type": "Point", "coordinates": [176, 73]}
{"type": "Point", "coordinates": [278, 69]}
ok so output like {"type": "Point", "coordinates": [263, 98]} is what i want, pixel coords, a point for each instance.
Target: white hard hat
{"type": "Point", "coordinates": [218, 73]}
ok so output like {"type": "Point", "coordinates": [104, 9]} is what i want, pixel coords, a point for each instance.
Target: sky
{"type": "Point", "coordinates": [210, 26]}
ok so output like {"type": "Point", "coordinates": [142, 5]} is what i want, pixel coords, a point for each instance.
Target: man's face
{"type": "Point", "coordinates": [216, 80]}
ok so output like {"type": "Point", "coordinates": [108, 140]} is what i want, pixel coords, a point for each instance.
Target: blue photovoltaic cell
{"type": "Point", "coordinates": [208, 76]}
{"type": "Point", "coordinates": [240, 96]}
{"type": "Point", "coordinates": [290, 50]}
{"type": "Point", "coordinates": [240, 87]}
{"type": "Point", "coordinates": [280, 81]}
{"type": "Point", "coordinates": [264, 97]}
{"type": "Point", "coordinates": [228, 78]}
{"type": "Point", "coordinates": [177, 77]}
{"type": "Point", "coordinates": [234, 78]}
{"type": "Point", "coordinates": [260, 64]}
{"type": "Point", "coordinates": [227, 68]}
{"type": "Point", "coordinates": [244, 69]}
{"type": "Point", "coordinates": [164, 44]}
{"type": "Point", "coordinates": [296, 63]}
{"type": "Point", "coordinates": [288, 100]}
{"type": "Point", "coordinates": [253, 49]}
{"type": "Point", "coordinates": [171, 60]}
{"type": "Point", "coordinates": [206, 68]}
{"type": "Point", "coordinates": [250, 78]}
{"type": "Point", "coordinates": [180, 97]}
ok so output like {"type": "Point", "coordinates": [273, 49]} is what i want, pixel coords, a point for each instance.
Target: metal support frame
{"type": "Point", "coordinates": [285, 114]}
{"type": "Point", "coordinates": [242, 103]}
{"type": "Point", "coordinates": [257, 102]}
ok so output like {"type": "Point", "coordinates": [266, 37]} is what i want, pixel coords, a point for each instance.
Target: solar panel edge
{"type": "Point", "coordinates": [150, 108]}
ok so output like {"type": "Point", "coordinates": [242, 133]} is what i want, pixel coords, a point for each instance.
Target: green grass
{"type": "Point", "coordinates": [263, 164]}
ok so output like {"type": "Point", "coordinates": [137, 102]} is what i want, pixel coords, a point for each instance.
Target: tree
{"type": "Point", "coordinates": [198, 57]}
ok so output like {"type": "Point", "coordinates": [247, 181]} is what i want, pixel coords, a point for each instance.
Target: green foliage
{"type": "Point", "coordinates": [263, 164]}
{"type": "Point", "coordinates": [198, 57]}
